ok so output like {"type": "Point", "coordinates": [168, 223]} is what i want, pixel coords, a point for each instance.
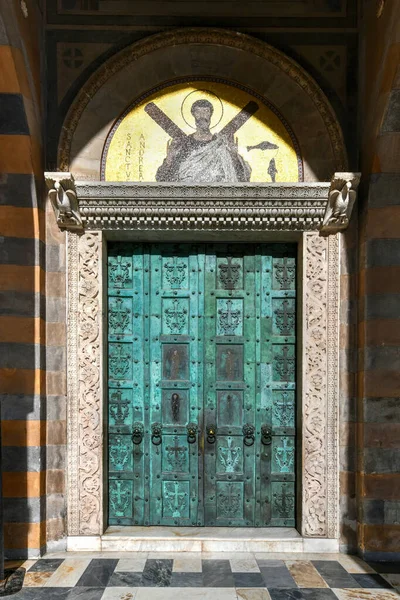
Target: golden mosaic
{"type": "Point", "coordinates": [201, 132]}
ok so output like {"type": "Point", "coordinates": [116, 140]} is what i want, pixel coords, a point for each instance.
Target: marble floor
{"type": "Point", "coordinates": [210, 576]}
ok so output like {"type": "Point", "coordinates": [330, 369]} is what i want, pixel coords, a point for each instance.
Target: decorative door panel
{"type": "Point", "coordinates": [126, 386]}
{"type": "Point", "coordinates": [176, 373]}
{"type": "Point", "coordinates": [201, 365]}
{"type": "Point", "coordinates": [230, 392]}
{"type": "Point", "coordinates": [278, 376]}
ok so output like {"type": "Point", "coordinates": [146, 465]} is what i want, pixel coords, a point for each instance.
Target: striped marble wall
{"type": "Point", "coordinates": [378, 485]}
{"type": "Point", "coordinates": [32, 380]}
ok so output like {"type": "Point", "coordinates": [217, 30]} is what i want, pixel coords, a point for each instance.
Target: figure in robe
{"type": "Point", "coordinates": [203, 157]}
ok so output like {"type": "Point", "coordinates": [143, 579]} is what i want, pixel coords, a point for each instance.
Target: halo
{"type": "Point", "coordinates": [202, 95]}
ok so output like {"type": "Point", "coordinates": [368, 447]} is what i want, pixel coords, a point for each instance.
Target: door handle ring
{"type": "Point", "coordinates": [191, 429]}
{"type": "Point", "coordinates": [248, 433]}
{"type": "Point", "coordinates": [266, 435]}
{"type": "Point", "coordinates": [156, 434]}
{"type": "Point", "coordinates": [211, 433]}
{"type": "Point", "coordinates": [137, 433]}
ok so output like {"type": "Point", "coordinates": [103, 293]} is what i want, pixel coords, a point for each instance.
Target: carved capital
{"type": "Point", "coordinates": [341, 198]}
{"type": "Point", "coordinates": [63, 197]}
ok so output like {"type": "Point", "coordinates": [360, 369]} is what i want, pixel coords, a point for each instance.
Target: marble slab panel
{"type": "Point", "coordinates": [68, 573]}
{"type": "Point", "coordinates": [36, 579]}
{"type": "Point", "coordinates": [305, 574]}
{"type": "Point", "coordinates": [121, 593]}
{"type": "Point", "coordinates": [360, 594]}
{"type": "Point", "coordinates": [133, 565]}
{"type": "Point", "coordinates": [393, 579]}
{"type": "Point", "coordinates": [187, 564]}
{"type": "Point", "coordinates": [335, 575]}
{"type": "Point", "coordinates": [253, 594]}
{"type": "Point", "coordinates": [244, 565]}
{"type": "Point", "coordinates": [98, 573]}
{"type": "Point", "coordinates": [182, 594]}
{"type": "Point", "coordinates": [353, 564]}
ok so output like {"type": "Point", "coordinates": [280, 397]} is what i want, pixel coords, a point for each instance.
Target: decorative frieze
{"type": "Point", "coordinates": [161, 206]}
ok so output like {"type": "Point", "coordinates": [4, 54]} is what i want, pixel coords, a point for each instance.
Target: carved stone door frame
{"type": "Point", "coordinates": [258, 212]}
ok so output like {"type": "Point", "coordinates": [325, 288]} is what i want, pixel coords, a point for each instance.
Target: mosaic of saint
{"type": "Point", "coordinates": [201, 132]}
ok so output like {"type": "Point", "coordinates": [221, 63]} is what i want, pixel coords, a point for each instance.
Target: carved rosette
{"type": "Point", "coordinates": [320, 380]}
{"type": "Point", "coordinates": [85, 464]}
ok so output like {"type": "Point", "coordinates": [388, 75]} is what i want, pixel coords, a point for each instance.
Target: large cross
{"type": "Point", "coordinates": [178, 499]}
{"type": "Point", "coordinates": [178, 452]}
{"type": "Point", "coordinates": [285, 364]}
{"type": "Point", "coordinates": [176, 132]}
{"type": "Point", "coordinates": [229, 318]}
{"type": "Point", "coordinates": [285, 318]}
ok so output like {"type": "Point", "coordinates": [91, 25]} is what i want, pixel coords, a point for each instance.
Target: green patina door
{"type": "Point", "coordinates": [201, 366]}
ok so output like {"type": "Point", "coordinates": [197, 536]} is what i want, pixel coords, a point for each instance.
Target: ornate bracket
{"type": "Point", "coordinates": [63, 197]}
{"type": "Point", "coordinates": [159, 206]}
{"type": "Point", "coordinates": [342, 195]}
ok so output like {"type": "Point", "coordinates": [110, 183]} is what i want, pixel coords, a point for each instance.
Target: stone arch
{"type": "Point", "coordinates": [195, 53]}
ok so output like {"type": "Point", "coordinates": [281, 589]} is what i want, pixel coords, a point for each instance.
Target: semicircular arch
{"type": "Point", "coordinates": [202, 53]}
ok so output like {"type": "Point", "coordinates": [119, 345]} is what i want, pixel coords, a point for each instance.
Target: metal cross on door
{"type": "Point", "coordinates": [201, 373]}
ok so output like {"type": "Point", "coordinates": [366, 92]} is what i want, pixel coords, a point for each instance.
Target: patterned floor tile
{"type": "Point", "coordinates": [188, 564]}
{"type": "Point", "coordinates": [157, 573]}
{"type": "Point", "coordinates": [252, 594]}
{"type": "Point", "coordinates": [36, 579]}
{"type": "Point", "coordinates": [334, 574]}
{"type": "Point", "coordinates": [244, 565]}
{"type": "Point", "coordinates": [98, 573]}
{"type": "Point", "coordinates": [277, 577]}
{"type": "Point", "coordinates": [305, 574]}
{"type": "Point", "coordinates": [133, 565]}
{"type": "Point", "coordinates": [385, 567]}
{"type": "Point", "coordinates": [48, 565]}
{"type": "Point", "coordinates": [353, 564]}
{"type": "Point", "coordinates": [182, 594]}
{"type": "Point", "coordinates": [131, 580]}
{"type": "Point", "coordinates": [119, 593]}
{"type": "Point", "coordinates": [186, 580]}
{"type": "Point", "coordinates": [209, 576]}
{"type": "Point", "coordinates": [371, 580]}
{"type": "Point", "coordinates": [303, 594]}
{"type": "Point", "coordinates": [363, 594]}
{"type": "Point", "coordinates": [248, 580]}
{"type": "Point", "coordinates": [393, 579]}
{"type": "Point", "coordinates": [217, 573]}
{"type": "Point", "coordinates": [68, 573]}
{"type": "Point", "coordinates": [81, 593]}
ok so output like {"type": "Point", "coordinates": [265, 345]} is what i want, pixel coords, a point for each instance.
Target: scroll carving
{"type": "Point", "coordinates": [84, 384]}
{"type": "Point", "coordinates": [315, 390]}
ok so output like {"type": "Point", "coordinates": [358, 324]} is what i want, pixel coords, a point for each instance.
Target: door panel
{"type": "Point", "coordinates": [201, 366]}
{"type": "Point", "coordinates": [176, 369]}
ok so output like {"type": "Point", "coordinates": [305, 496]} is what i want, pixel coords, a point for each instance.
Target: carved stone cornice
{"type": "Point", "coordinates": [247, 206]}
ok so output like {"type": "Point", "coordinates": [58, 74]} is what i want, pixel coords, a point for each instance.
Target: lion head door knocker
{"type": "Point", "coordinates": [191, 429]}
{"type": "Point", "coordinates": [156, 434]}
{"type": "Point", "coordinates": [211, 431]}
{"type": "Point", "coordinates": [137, 433]}
{"type": "Point", "coordinates": [266, 435]}
{"type": "Point", "coordinates": [248, 434]}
